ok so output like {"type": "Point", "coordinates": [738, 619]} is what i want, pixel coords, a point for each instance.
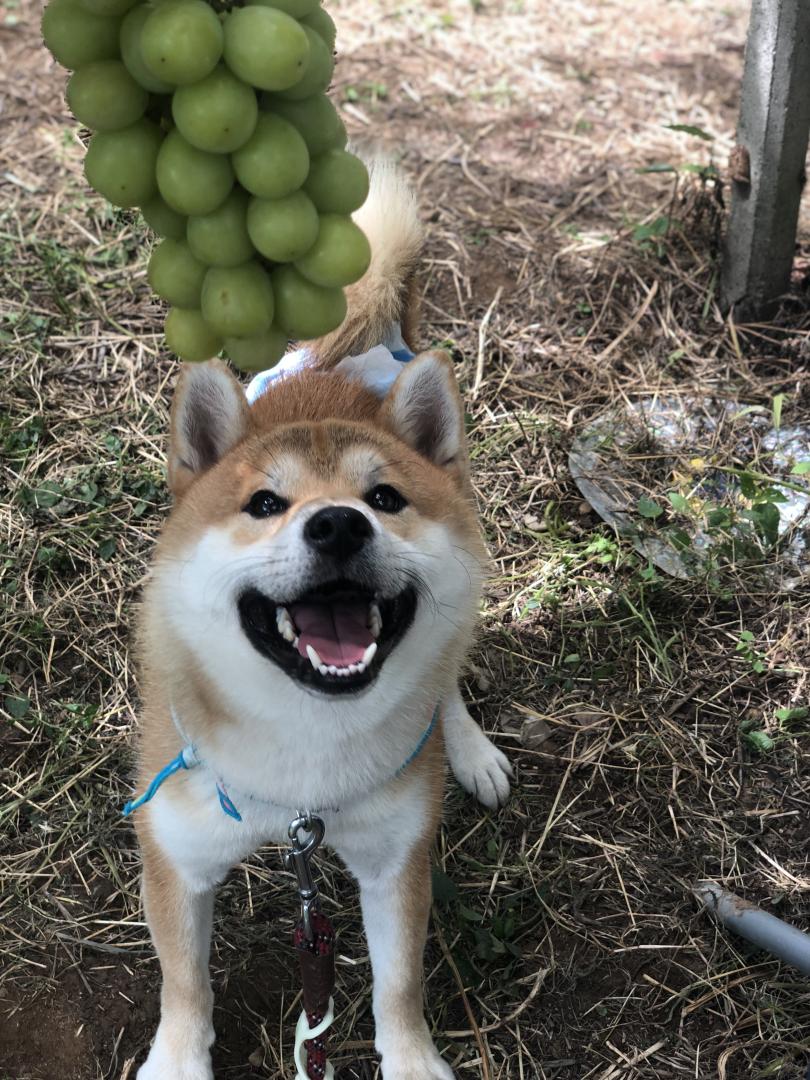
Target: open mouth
{"type": "Point", "coordinates": [334, 638]}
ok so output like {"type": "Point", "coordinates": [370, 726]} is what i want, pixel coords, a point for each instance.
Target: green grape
{"type": "Point", "coordinates": [323, 24]}
{"type": "Point", "coordinates": [104, 97]}
{"type": "Point", "coordinates": [283, 229]}
{"type": "Point", "coordinates": [217, 114]}
{"type": "Point", "coordinates": [120, 165]}
{"type": "Point", "coordinates": [130, 43]}
{"type": "Point", "coordinates": [190, 336]}
{"type": "Point", "coordinates": [238, 301]}
{"type": "Point", "coordinates": [175, 275]}
{"type": "Point", "coordinates": [316, 120]}
{"type": "Point", "coordinates": [221, 237]}
{"type": "Point", "coordinates": [77, 37]}
{"type": "Point", "coordinates": [296, 8]}
{"type": "Point", "coordinates": [337, 182]}
{"type": "Point", "coordinates": [265, 47]}
{"type": "Point", "coordinates": [107, 7]}
{"type": "Point", "coordinates": [305, 310]}
{"type": "Point", "coordinates": [182, 42]}
{"type": "Point", "coordinates": [274, 161]}
{"type": "Point", "coordinates": [339, 256]}
{"type": "Point", "coordinates": [160, 217]}
{"type": "Point", "coordinates": [256, 354]}
{"type": "Point", "coordinates": [317, 73]}
{"type": "Point", "coordinates": [190, 180]}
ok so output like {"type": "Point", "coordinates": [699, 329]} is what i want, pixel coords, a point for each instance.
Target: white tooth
{"type": "Point", "coordinates": [374, 620]}
{"type": "Point", "coordinates": [354, 668]}
{"type": "Point", "coordinates": [323, 669]}
{"type": "Point", "coordinates": [285, 624]}
{"type": "Point", "coordinates": [314, 659]}
{"type": "Point", "coordinates": [295, 641]}
{"type": "Point", "coordinates": [332, 669]}
{"type": "Point", "coordinates": [368, 655]}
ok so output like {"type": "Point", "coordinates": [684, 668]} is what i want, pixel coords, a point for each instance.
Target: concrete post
{"type": "Point", "coordinates": [768, 163]}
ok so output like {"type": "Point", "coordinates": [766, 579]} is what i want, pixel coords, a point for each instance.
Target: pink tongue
{"type": "Point", "coordinates": [337, 632]}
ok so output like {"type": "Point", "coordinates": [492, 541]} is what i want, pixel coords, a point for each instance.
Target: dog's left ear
{"type": "Point", "coordinates": [425, 410]}
{"type": "Point", "coordinates": [209, 417]}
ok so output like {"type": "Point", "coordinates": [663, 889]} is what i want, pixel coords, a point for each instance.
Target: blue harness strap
{"type": "Point", "coordinates": [188, 758]}
{"type": "Point", "coordinates": [420, 746]}
{"type": "Point", "coordinates": [226, 802]}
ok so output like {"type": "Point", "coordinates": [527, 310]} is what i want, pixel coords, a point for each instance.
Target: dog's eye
{"type": "Point", "coordinates": [386, 499]}
{"type": "Point", "coordinates": [265, 504]}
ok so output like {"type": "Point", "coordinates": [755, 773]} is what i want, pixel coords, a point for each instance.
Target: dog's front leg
{"type": "Point", "coordinates": [179, 919]}
{"type": "Point", "coordinates": [477, 763]}
{"type": "Point", "coordinates": [395, 896]}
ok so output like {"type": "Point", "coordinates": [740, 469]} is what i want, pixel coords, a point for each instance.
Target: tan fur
{"type": "Point", "coordinates": [312, 418]}
{"type": "Point", "coordinates": [416, 879]}
{"type": "Point", "coordinates": [387, 292]}
{"type": "Point", "coordinates": [230, 411]}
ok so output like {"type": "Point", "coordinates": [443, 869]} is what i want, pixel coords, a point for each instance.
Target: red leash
{"type": "Point", "coordinates": [314, 941]}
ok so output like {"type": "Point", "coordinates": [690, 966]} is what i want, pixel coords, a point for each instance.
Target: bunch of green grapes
{"type": "Point", "coordinates": [217, 125]}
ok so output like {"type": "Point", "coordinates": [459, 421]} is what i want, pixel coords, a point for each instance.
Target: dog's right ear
{"type": "Point", "coordinates": [209, 417]}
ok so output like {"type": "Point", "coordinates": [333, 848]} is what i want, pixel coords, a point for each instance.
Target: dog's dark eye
{"type": "Point", "coordinates": [265, 504]}
{"type": "Point", "coordinates": [386, 499]}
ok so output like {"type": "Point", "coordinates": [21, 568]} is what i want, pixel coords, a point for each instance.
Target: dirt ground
{"type": "Point", "coordinates": [566, 943]}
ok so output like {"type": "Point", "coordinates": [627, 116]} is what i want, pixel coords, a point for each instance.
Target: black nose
{"type": "Point", "coordinates": [339, 531]}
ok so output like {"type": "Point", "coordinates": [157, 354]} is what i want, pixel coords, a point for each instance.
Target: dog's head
{"type": "Point", "coordinates": [323, 541]}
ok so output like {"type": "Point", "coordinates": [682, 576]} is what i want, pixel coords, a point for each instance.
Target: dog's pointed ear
{"type": "Point", "coordinates": [209, 417]}
{"type": "Point", "coordinates": [425, 410]}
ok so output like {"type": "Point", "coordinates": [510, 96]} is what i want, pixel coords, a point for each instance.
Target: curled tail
{"type": "Point", "coordinates": [385, 294]}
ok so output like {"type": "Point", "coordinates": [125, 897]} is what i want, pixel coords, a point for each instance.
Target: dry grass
{"type": "Point", "coordinates": [567, 931]}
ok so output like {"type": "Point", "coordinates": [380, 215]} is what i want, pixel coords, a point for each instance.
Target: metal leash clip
{"type": "Point", "coordinates": [297, 859]}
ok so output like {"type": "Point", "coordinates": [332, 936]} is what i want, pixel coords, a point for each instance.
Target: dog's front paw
{"type": "Point", "coordinates": [478, 765]}
{"type": "Point", "coordinates": [484, 771]}
{"type": "Point", "coordinates": [174, 1057]}
{"type": "Point", "coordinates": [420, 1062]}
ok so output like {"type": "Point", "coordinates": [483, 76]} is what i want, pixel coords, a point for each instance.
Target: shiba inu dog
{"type": "Point", "coordinates": [312, 599]}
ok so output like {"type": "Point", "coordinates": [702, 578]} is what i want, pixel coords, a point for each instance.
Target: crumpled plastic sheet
{"type": "Point", "coordinates": [680, 429]}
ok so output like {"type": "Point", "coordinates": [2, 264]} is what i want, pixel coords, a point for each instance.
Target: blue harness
{"type": "Point", "coordinates": [188, 758]}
